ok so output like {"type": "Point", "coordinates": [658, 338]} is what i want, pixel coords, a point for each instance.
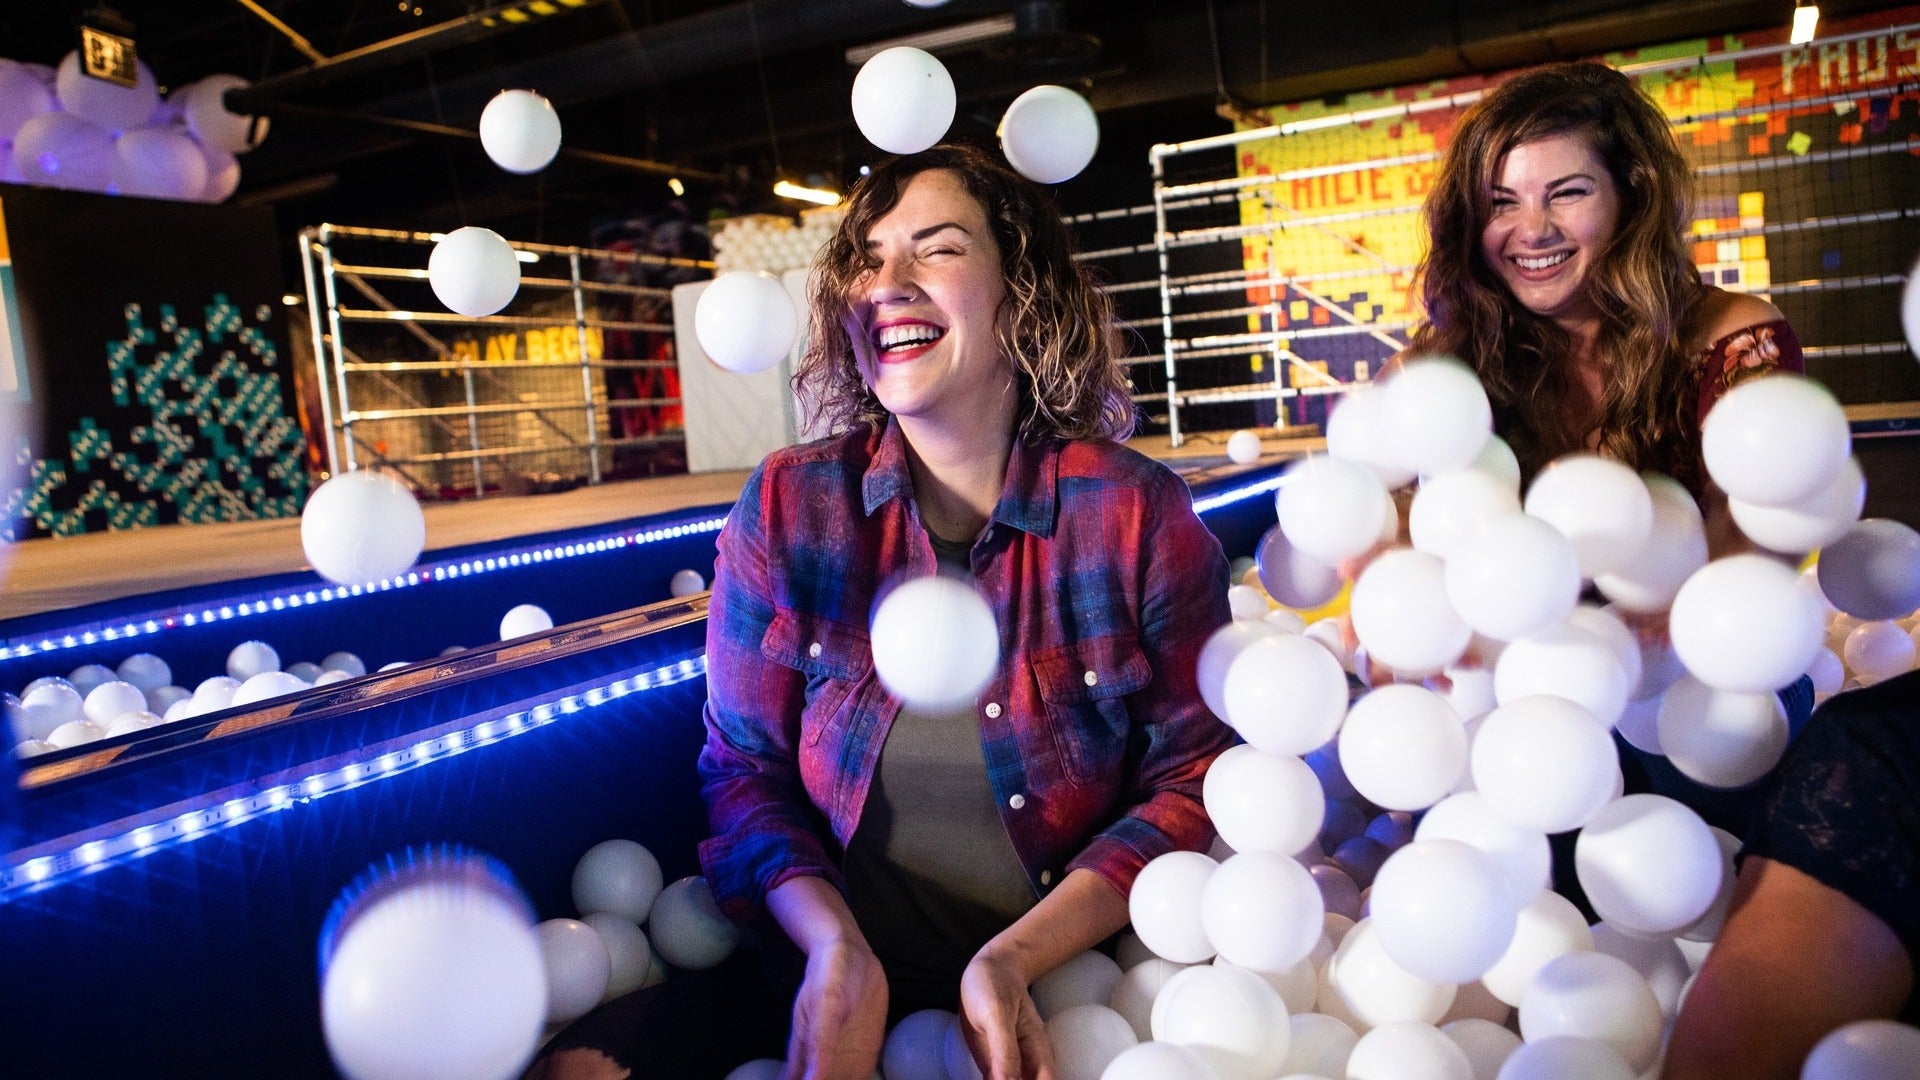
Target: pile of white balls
{"type": "Point", "coordinates": [772, 243]}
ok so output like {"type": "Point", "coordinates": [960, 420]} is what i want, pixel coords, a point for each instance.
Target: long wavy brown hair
{"type": "Point", "coordinates": [1643, 282]}
{"type": "Point", "coordinates": [1055, 325]}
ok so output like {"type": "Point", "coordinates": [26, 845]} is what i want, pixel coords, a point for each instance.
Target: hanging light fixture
{"type": "Point", "coordinates": [1806, 17]}
{"type": "Point", "coordinates": [786, 189]}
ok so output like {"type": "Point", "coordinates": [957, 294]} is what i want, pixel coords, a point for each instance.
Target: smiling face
{"type": "Point", "coordinates": [922, 321]}
{"type": "Point", "coordinates": [1553, 209]}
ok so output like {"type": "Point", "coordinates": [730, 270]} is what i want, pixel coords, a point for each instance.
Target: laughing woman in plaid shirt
{"type": "Point", "coordinates": [949, 859]}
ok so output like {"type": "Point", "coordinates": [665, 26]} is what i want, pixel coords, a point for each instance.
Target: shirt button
{"type": "Point", "coordinates": [993, 712]}
{"type": "Point", "coordinates": [813, 650]}
{"type": "Point", "coordinates": [1046, 877]}
{"type": "Point", "coordinates": [1092, 678]}
{"type": "Point", "coordinates": [1017, 802]}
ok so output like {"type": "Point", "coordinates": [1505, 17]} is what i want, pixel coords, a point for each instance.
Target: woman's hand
{"type": "Point", "coordinates": [1001, 1024]}
{"type": "Point", "coordinates": [839, 1015]}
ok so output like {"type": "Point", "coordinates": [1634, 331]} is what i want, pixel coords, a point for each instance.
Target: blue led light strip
{"type": "Point", "coordinates": [180, 822]}
{"type": "Point", "coordinates": [1239, 494]}
{"type": "Point", "coordinates": [302, 595]}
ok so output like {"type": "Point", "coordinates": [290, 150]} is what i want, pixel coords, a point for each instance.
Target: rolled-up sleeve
{"type": "Point", "coordinates": [765, 830]}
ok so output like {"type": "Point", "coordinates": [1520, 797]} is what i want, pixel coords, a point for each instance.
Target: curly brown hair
{"type": "Point", "coordinates": [1055, 324]}
{"type": "Point", "coordinates": [1644, 282]}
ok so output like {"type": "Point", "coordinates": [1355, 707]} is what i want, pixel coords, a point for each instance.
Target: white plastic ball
{"type": "Point", "coordinates": [523, 619]}
{"type": "Point", "coordinates": [1049, 134]}
{"type": "Point", "coordinates": [1217, 656]}
{"type": "Point", "coordinates": [1292, 577]}
{"type": "Point", "coordinates": [1261, 910]}
{"type": "Point", "coordinates": [64, 150]}
{"type": "Point", "coordinates": [223, 175]}
{"type": "Point", "coordinates": [1403, 748]}
{"type": "Point", "coordinates": [686, 583]}
{"type": "Point", "coordinates": [1358, 431]}
{"type": "Point", "coordinates": [216, 693]}
{"type": "Point", "coordinates": [1450, 506]}
{"type": "Point", "coordinates": [1086, 1039]}
{"type": "Point", "coordinates": [203, 103]}
{"type": "Point", "coordinates": [746, 321]}
{"type": "Point", "coordinates": [629, 955]}
{"type": "Point", "coordinates": [1599, 505]}
{"type": "Point", "coordinates": [1805, 524]}
{"type": "Point", "coordinates": [114, 107]}
{"type": "Point", "coordinates": [1591, 995]}
{"type": "Point", "coordinates": [1565, 1056]}
{"type": "Point", "coordinates": [1865, 1050]}
{"type": "Point", "coordinates": [250, 658]}
{"type": "Point", "coordinates": [1331, 510]}
{"type": "Point", "coordinates": [1829, 672]}
{"type": "Point", "coordinates": [75, 733]}
{"type": "Point", "coordinates": [22, 97]}
{"type": "Point", "coordinates": [935, 643]}
{"type": "Point", "coordinates": [1402, 615]}
{"type": "Point", "coordinates": [362, 526]}
{"type": "Point", "coordinates": [520, 131]}
{"type": "Point", "coordinates": [1263, 802]}
{"type": "Point", "coordinates": [158, 163]}
{"type": "Point", "coordinates": [1164, 906]}
{"type": "Point", "coordinates": [1524, 858]}
{"type": "Point", "coordinates": [1443, 910]}
{"type": "Point", "coordinates": [109, 700]}
{"type": "Point", "coordinates": [165, 697]}
{"type": "Point", "coordinates": [1876, 651]}
{"type": "Point", "coordinates": [758, 1069]}
{"type": "Point", "coordinates": [1873, 572]}
{"type": "Point", "coordinates": [1544, 763]}
{"type": "Point", "coordinates": [1720, 738]}
{"type": "Point", "coordinates": [1230, 1017]}
{"type": "Point", "coordinates": [1566, 661]}
{"type": "Point", "coordinates": [474, 271]}
{"type": "Point", "coordinates": [1676, 546]}
{"type": "Point", "coordinates": [577, 965]}
{"type": "Point", "coordinates": [146, 671]}
{"type": "Point", "coordinates": [954, 1052]}
{"type": "Point", "coordinates": [1320, 1045]}
{"type": "Point", "coordinates": [1657, 959]}
{"type": "Point", "coordinates": [1158, 1061]}
{"type": "Point", "coordinates": [1438, 415]}
{"type": "Point", "coordinates": [1549, 927]}
{"type": "Point", "coordinates": [305, 671]}
{"type": "Point", "coordinates": [903, 100]}
{"type": "Point", "coordinates": [88, 677]}
{"type": "Point", "coordinates": [1246, 602]}
{"type": "Point", "coordinates": [1745, 623]}
{"type": "Point", "coordinates": [1284, 694]}
{"type": "Point", "coordinates": [915, 1048]}
{"type": "Point", "coordinates": [1243, 447]}
{"type": "Point", "coordinates": [1133, 998]}
{"type": "Point", "coordinates": [344, 661]}
{"type": "Point", "coordinates": [688, 930]}
{"type": "Point", "coordinates": [266, 686]}
{"type": "Point", "coordinates": [619, 877]}
{"type": "Point", "coordinates": [1407, 1051]}
{"type": "Point", "coordinates": [1775, 440]}
{"type": "Point", "coordinates": [1363, 980]}
{"type": "Point", "coordinates": [1516, 575]}
{"type": "Point", "coordinates": [1648, 865]}
{"type": "Point", "coordinates": [1486, 1044]}
{"type": "Point", "coordinates": [1087, 979]}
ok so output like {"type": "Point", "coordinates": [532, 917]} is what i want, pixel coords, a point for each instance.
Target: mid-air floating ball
{"type": "Point", "coordinates": [1263, 802]}
{"type": "Point", "coordinates": [1403, 748]}
{"type": "Point", "coordinates": [520, 131]}
{"type": "Point", "coordinates": [1216, 659]}
{"type": "Point", "coordinates": [1261, 910]}
{"type": "Point", "coordinates": [578, 966]}
{"type": "Point", "coordinates": [430, 969]}
{"type": "Point", "coordinates": [688, 929]}
{"type": "Point", "coordinates": [1049, 134]}
{"type": "Point", "coordinates": [1231, 1017]}
{"type": "Point", "coordinates": [1865, 1050]}
{"type": "Point", "coordinates": [1516, 575]}
{"type": "Point", "coordinates": [1330, 509]}
{"type": "Point", "coordinates": [1649, 865]}
{"type": "Point", "coordinates": [629, 954]}
{"type": "Point", "coordinates": [686, 583]}
{"type": "Point", "coordinates": [1243, 447]}
{"type": "Point", "coordinates": [745, 321]}
{"type": "Point", "coordinates": [1291, 576]}
{"type": "Point", "coordinates": [523, 619]}
{"type": "Point", "coordinates": [1285, 694]}
{"type": "Point", "coordinates": [619, 877]}
{"type": "Point", "coordinates": [1449, 507]}
{"type": "Point", "coordinates": [1746, 623]}
{"type": "Point", "coordinates": [903, 100]}
{"type": "Point", "coordinates": [1873, 572]}
{"type": "Point", "coordinates": [1598, 504]}
{"type": "Point", "coordinates": [1809, 523]}
{"type": "Point", "coordinates": [1525, 860]}
{"type": "Point", "coordinates": [362, 526]}
{"type": "Point", "coordinates": [474, 271]}
{"type": "Point", "coordinates": [1357, 431]}
{"type": "Point", "coordinates": [1407, 1051]}
{"type": "Point", "coordinates": [1164, 906]}
{"type": "Point", "coordinates": [1363, 979]}
{"type": "Point", "coordinates": [1544, 763]}
{"type": "Point", "coordinates": [1874, 651]}
{"type": "Point", "coordinates": [1676, 546]}
{"type": "Point", "coordinates": [1568, 661]}
{"type": "Point", "coordinates": [1438, 415]}
{"type": "Point", "coordinates": [1443, 910]}
{"type": "Point", "coordinates": [1401, 613]}
{"type": "Point", "coordinates": [1591, 995]}
{"type": "Point", "coordinates": [204, 104]}
{"type": "Point", "coordinates": [1775, 440]}
{"type": "Point", "coordinates": [114, 107]}
{"type": "Point", "coordinates": [935, 643]}
{"type": "Point", "coordinates": [1547, 928]}
{"type": "Point", "coordinates": [1721, 738]}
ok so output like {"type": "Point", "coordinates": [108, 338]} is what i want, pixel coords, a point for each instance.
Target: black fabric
{"type": "Point", "coordinates": [1844, 806]}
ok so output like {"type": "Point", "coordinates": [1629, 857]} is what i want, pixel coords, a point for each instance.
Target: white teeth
{"type": "Point", "coordinates": [1543, 263]}
{"type": "Point", "coordinates": [893, 337]}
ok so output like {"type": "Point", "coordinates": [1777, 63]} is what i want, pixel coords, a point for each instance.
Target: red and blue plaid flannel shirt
{"type": "Point", "coordinates": [1104, 584]}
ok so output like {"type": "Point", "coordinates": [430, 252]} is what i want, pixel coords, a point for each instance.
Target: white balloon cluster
{"type": "Point", "coordinates": [64, 128]}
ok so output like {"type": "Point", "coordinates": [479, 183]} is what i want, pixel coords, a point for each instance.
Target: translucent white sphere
{"type": "Point", "coordinates": [746, 321]}
{"type": "Point", "coordinates": [1217, 656]}
{"type": "Point", "coordinates": [577, 965]}
{"type": "Point", "coordinates": [108, 104]}
{"type": "Point", "coordinates": [1164, 906]}
{"type": "Point", "coordinates": [344, 661]}
{"type": "Point", "coordinates": [1775, 440]}
{"type": "Point", "coordinates": [523, 619]}
{"type": "Point", "coordinates": [1649, 865]}
{"type": "Point", "coordinates": [64, 150]}
{"type": "Point", "coordinates": [1243, 447]}
{"type": "Point", "coordinates": [1544, 763]}
{"type": "Point", "coordinates": [1438, 415]}
{"type": "Point", "coordinates": [758, 1069]}
{"type": "Point", "coordinates": [1865, 1050]}
{"type": "Point", "coordinates": [903, 100]}
{"type": "Point", "coordinates": [158, 163]}
{"type": "Point", "coordinates": [1676, 546]}
{"type": "Point", "coordinates": [1246, 602]}
{"type": "Point", "coordinates": [1450, 506]}
{"type": "Point", "coordinates": [1087, 979]}
{"type": "Point", "coordinates": [146, 671]}
{"type": "Point", "coordinates": [1875, 651]}
{"type": "Point", "coordinates": [1158, 1061]}
{"type": "Point", "coordinates": [629, 954]}
{"type": "Point", "coordinates": [1292, 577]}
{"type": "Point", "coordinates": [1133, 998]}
{"type": "Point", "coordinates": [165, 697]}
{"type": "Point", "coordinates": [1330, 509]}
{"type": "Point", "coordinates": [1407, 1051]}
{"type": "Point", "coordinates": [1873, 572]}
{"type": "Point", "coordinates": [1745, 623]}
{"type": "Point", "coordinates": [22, 97]}
{"type": "Point", "coordinates": [1049, 134]}
{"type": "Point", "coordinates": [1363, 980]}
{"type": "Point", "coordinates": [1086, 1039]}
{"type": "Point", "coordinates": [1358, 431]}
{"type": "Point", "coordinates": [915, 1048]}
{"type": "Point", "coordinates": [1284, 694]}
{"type": "Point", "coordinates": [217, 692]}
{"type": "Point", "coordinates": [223, 175]}
{"type": "Point", "coordinates": [203, 103]}
{"type": "Point", "coordinates": [1805, 524]}
{"type": "Point", "coordinates": [1263, 802]}
{"type": "Point", "coordinates": [362, 526]}
{"type": "Point", "coordinates": [686, 583]}
{"type": "Point", "coordinates": [1339, 893]}
{"type": "Point", "coordinates": [1524, 858]}
{"type": "Point", "coordinates": [266, 686]}
{"type": "Point", "coordinates": [619, 877]}
{"type": "Point", "coordinates": [1443, 910]}
{"type": "Point", "coordinates": [1564, 1056]}
{"type": "Point", "coordinates": [1591, 995]}
{"type": "Point", "coordinates": [1403, 748]}
{"type": "Point", "coordinates": [1657, 959]}
{"type": "Point", "coordinates": [474, 271]}
{"type": "Point", "coordinates": [75, 733]}
{"type": "Point", "coordinates": [520, 131]}
{"type": "Point", "coordinates": [250, 658]}
{"type": "Point", "coordinates": [935, 642]}
{"type": "Point", "coordinates": [1720, 738]}
{"type": "Point", "coordinates": [1320, 1046]}
{"type": "Point", "coordinates": [1829, 672]}
{"type": "Point", "coordinates": [1547, 928]}
{"type": "Point", "coordinates": [1261, 910]}
{"type": "Point", "coordinates": [1565, 661]}
{"type": "Point", "coordinates": [442, 979]}
{"type": "Point", "coordinates": [1516, 575]}
{"type": "Point", "coordinates": [1402, 615]}
{"type": "Point", "coordinates": [110, 700]}
{"type": "Point", "coordinates": [688, 930]}
{"type": "Point", "coordinates": [1486, 1044]}
{"type": "Point", "coordinates": [1598, 504]}
{"type": "Point", "coordinates": [1230, 1017]}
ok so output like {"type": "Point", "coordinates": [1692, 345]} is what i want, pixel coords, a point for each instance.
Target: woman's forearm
{"type": "Point", "coordinates": [1082, 912]}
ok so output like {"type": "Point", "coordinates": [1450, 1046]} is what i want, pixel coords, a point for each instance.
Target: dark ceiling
{"type": "Point", "coordinates": [729, 93]}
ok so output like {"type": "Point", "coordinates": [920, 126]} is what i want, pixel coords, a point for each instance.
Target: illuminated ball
{"type": "Point", "coordinates": [1401, 613]}
{"type": "Point", "coordinates": [520, 131]}
{"type": "Point", "coordinates": [954, 1053]}
{"type": "Point", "coordinates": [1243, 448]}
{"type": "Point", "coordinates": [523, 619]}
{"type": "Point", "coordinates": [1775, 440]}
{"type": "Point", "coordinates": [344, 661]}
{"type": "Point", "coordinates": [1363, 980]}
{"type": "Point", "coordinates": [1745, 623]}
{"type": "Point", "coordinates": [1158, 1061]}
{"type": "Point", "coordinates": [204, 105]}
{"type": "Point", "coordinates": [146, 671]}
{"type": "Point", "coordinates": [1246, 602]}
{"type": "Point", "coordinates": [1721, 738]}
{"type": "Point", "coordinates": [935, 643]}
{"type": "Point", "coordinates": [577, 965]}
{"type": "Point", "coordinates": [1407, 1051]}
{"type": "Point", "coordinates": [1086, 1039]}
{"type": "Point", "coordinates": [22, 97]}
{"type": "Point", "coordinates": [1876, 651]}
{"type": "Point", "coordinates": [1591, 995]}
{"type": "Point", "coordinates": [1263, 802]}
{"type": "Point", "coordinates": [1829, 672]}
{"type": "Point", "coordinates": [158, 163]}
{"type": "Point", "coordinates": [1547, 928]}
{"type": "Point", "coordinates": [915, 1048]}
{"type": "Point", "coordinates": [114, 107]}
{"type": "Point", "coordinates": [1599, 505]}
{"type": "Point", "coordinates": [1564, 1056]}
{"type": "Point", "coordinates": [63, 150]}
{"type": "Point", "coordinates": [1873, 572]}
{"type": "Point", "coordinates": [474, 271]}
{"type": "Point", "coordinates": [1331, 510]}
{"type": "Point", "coordinates": [1443, 910]}
{"type": "Point", "coordinates": [1450, 506]}
{"type": "Point", "coordinates": [1648, 864]}
{"type": "Point", "coordinates": [106, 702]}
{"type": "Point", "coordinates": [163, 698]}
{"type": "Point", "coordinates": [1164, 906]}
{"type": "Point", "coordinates": [688, 930]}
{"type": "Point", "coordinates": [87, 677]}
{"type": "Point", "coordinates": [1805, 524]}
{"type": "Point", "coordinates": [435, 975]}
{"type": "Point", "coordinates": [746, 321]}
{"type": "Point", "coordinates": [216, 693]}
{"type": "Point", "coordinates": [618, 877]}
{"type": "Point", "coordinates": [1544, 763]}
{"type": "Point", "coordinates": [903, 100]}
{"type": "Point", "coordinates": [250, 658]}
{"type": "Point", "coordinates": [362, 526]}
{"type": "Point", "coordinates": [1403, 748]}
{"type": "Point", "coordinates": [223, 175]}
{"type": "Point", "coordinates": [1865, 1050]}
{"type": "Point", "coordinates": [1292, 577]}
{"type": "Point", "coordinates": [1566, 661]}
{"type": "Point", "coordinates": [129, 722]}
{"type": "Point", "coordinates": [1438, 415]}
{"type": "Point", "coordinates": [1516, 575]}
{"type": "Point", "coordinates": [1357, 431]}
{"type": "Point", "coordinates": [265, 687]}
{"type": "Point", "coordinates": [629, 955]}
{"type": "Point", "coordinates": [1049, 134]}
{"type": "Point", "coordinates": [1320, 1045]}
{"type": "Point", "coordinates": [1284, 694]}
{"type": "Point", "coordinates": [1261, 910]}
{"type": "Point", "coordinates": [75, 733]}
{"type": "Point", "coordinates": [1676, 546]}
{"type": "Point", "coordinates": [1087, 979]}
{"type": "Point", "coordinates": [686, 583]}
{"type": "Point", "coordinates": [1217, 656]}
{"type": "Point", "coordinates": [1230, 1017]}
